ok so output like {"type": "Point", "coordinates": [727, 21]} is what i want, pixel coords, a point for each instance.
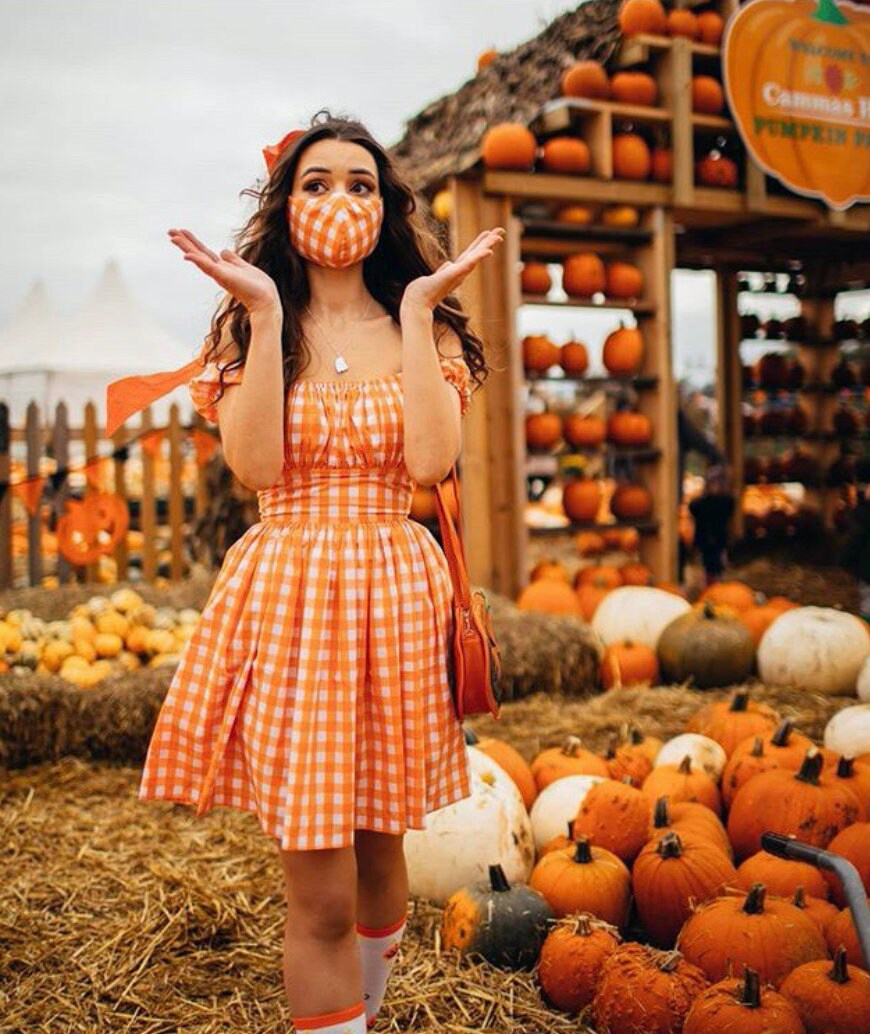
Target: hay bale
{"type": "Point", "coordinates": [809, 585]}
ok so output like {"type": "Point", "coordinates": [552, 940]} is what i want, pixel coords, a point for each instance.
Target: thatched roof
{"type": "Point", "coordinates": [445, 137]}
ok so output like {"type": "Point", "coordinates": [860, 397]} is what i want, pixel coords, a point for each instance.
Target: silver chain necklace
{"type": "Point", "coordinates": [340, 362]}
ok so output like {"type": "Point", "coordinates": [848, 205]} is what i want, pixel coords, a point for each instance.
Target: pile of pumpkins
{"type": "Point", "coordinates": [509, 145]}
{"type": "Point", "coordinates": [584, 275]}
{"type": "Point", "coordinates": [105, 636]}
{"type": "Point", "coordinates": [634, 885]}
{"type": "Point", "coordinates": [626, 428]}
{"type": "Point", "coordinates": [622, 353]}
{"type": "Point", "coordinates": [651, 633]}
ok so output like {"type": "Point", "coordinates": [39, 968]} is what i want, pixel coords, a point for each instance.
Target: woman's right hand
{"type": "Point", "coordinates": [249, 285]}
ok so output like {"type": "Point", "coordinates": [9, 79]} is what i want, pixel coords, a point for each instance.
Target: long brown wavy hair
{"type": "Point", "coordinates": [407, 248]}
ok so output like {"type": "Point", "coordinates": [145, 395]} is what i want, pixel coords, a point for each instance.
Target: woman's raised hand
{"type": "Point", "coordinates": [248, 284]}
{"type": "Point", "coordinates": [430, 290]}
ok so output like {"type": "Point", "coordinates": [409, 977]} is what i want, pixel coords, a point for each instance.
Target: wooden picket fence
{"type": "Point", "coordinates": [159, 471]}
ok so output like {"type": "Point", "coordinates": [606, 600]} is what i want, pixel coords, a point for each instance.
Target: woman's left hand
{"type": "Point", "coordinates": [429, 291]}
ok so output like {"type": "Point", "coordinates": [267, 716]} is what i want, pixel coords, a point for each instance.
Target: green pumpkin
{"type": "Point", "coordinates": [707, 648]}
{"type": "Point", "coordinates": [505, 924]}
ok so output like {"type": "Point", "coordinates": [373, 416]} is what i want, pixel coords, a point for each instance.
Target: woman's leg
{"type": "Point", "coordinates": [322, 972]}
{"type": "Point", "coordinates": [382, 895]}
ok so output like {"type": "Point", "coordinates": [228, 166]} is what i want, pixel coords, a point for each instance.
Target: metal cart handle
{"type": "Point", "coordinates": [798, 851]}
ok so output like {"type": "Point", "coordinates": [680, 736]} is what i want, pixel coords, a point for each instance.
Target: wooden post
{"type": "Point", "coordinates": [729, 388]}
{"type": "Point", "coordinates": [492, 460]}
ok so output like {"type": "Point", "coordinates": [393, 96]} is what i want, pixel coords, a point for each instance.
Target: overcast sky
{"type": "Point", "coordinates": [121, 119]}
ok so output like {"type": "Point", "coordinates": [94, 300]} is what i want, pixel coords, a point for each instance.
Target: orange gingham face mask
{"type": "Point", "coordinates": [334, 230]}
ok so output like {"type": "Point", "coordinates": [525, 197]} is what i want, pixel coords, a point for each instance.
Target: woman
{"type": "Point", "coordinates": [314, 690]}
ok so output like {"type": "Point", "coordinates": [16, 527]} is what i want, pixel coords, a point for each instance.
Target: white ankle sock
{"type": "Point", "coordinates": [351, 1020]}
{"type": "Point", "coordinates": [377, 954]}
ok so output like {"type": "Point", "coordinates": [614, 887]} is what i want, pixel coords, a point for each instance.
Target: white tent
{"type": "Point", "coordinates": [48, 359]}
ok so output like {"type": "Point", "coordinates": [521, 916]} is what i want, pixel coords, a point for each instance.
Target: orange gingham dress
{"type": "Point", "coordinates": [314, 689]}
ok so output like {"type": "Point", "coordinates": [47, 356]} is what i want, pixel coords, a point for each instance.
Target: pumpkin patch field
{"type": "Point", "coordinates": [610, 841]}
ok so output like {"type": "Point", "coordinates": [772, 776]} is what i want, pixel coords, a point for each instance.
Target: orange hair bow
{"type": "Point", "coordinates": [128, 395]}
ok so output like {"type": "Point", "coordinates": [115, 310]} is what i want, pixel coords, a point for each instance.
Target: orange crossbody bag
{"type": "Point", "coordinates": [476, 669]}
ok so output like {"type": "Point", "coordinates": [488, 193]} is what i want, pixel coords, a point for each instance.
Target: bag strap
{"type": "Point", "coordinates": [451, 540]}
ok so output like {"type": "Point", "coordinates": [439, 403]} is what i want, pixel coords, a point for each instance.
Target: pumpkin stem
{"type": "Point", "coordinates": [471, 736]}
{"type": "Point", "coordinates": [669, 961]}
{"type": "Point", "coordinates": [635, 736]}
{"type": "Point", "coordinates": [571, 746]}
{"type": "Point", "coordinates": [497, 878]}
{"type": "Point", "coordinates": [661, 813]}
{"type": "Point", "coordinates": [709, 611]}
{"type": "Point", "coordinates": [570, 829]}
{"type": "Point", "coordinates": [840, 971]}
{"type": "Point", "coordinates": [757, 747]}
{"type": "Point", "coordinates": [782, 735]}
{"type": "Point", "coordinates": [583, 851]}
{"type": "Point", "coordinates": [845, 767]}
{"type": "Point", "coordinates": [670, 846]}
{"type": "Point", "coordinates": [799, 900]}
{"type": "Point", "coordinates": [750, 991]}
{"type": "Point", "coordinates": [811, 767]}
{"type": "Point", "coordinates": [754, 903]}
{"type": "Point", "coordinates": [827, 11]}
{"type": "Point", "coordinates": [686, 765]}
{"type": "Point", "coordinates": [584, 927]}
{"type": "Point", "coordinates": [740, 701]}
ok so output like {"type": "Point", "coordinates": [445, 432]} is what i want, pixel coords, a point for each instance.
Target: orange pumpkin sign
{"type": "Point", "coordinates": [797, 75]}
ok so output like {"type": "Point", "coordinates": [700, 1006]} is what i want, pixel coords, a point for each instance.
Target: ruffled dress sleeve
{"type": "Point", "coordinates": [455, 370]}
{"type": "Point", "coordinates": [205, 387]}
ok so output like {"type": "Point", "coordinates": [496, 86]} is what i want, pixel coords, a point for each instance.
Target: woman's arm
{"type": "Point", "coordinates": [432, 434]}
{"type": "Point", "coordinates": [251, 414]}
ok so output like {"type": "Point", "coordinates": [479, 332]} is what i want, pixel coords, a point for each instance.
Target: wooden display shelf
{"type": "Point", "coordinates": [639, 308]}
{"type": "Point", "coordinates": [819, 342]}
{"type": "Point", "coordinates": [645, 455]}
{"type": "Point", "coordinates": [642, 47]}
{"type": "Point", "coordinates": [563, 113]}
{"type": "Point", "coordinates": [605, 383]}
{"type": "Point", "coordinates": [648, 527]}
{"type": "Point", "coordinates": [592, 233]}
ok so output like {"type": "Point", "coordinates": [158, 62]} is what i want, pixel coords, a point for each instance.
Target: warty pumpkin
{"type": "Point", "coordinates": [509, 145]}
{"type": "Point", "coordinates": [570, 759]}
{"type": "Point", "coordinates": [626, 762]}
{"type": "Point", "coordinates": [617, 816]}
{"type": "Point", "coordinates": [643, 989]}
{"type": "Point", "coordinates": [670, 875]}
{"type": "Point", "coordinates": [741, 1005]}
{"type": "Point", "coordinates": [505, 924]}
{"type": "Point", "coordinates": [571, 960]}
{"type": "Point", "coordinates": [584, 878]}
{"type": "Point", "coordinates": [830, 998]}
{"type": "Point", "coordinates": [808, 804]}
{"type": "Point", "coordinates": [771, 936]}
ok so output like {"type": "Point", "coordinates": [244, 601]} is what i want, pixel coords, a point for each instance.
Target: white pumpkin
{"type": "Point", "coordinates": [557, 804]}
{"type": "Point", "coordinates": [461, 841]}
{"type": "Point", "coordinates": [491, 771]}
{"type": "Point", "coordinates": [848, 731]}
{"type": "Point", "coordinates": [704, 752]}
{"type": "Point", "coordinates": [814, 648]}
{"type": "Point", "coordinates": [864, 682]}
{"type": "Point", "coordinates": [637, 612]}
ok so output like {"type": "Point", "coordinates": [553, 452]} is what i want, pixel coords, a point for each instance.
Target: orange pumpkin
{"type": "Point", "coordinates": [577, 215]}
{"type": "Point", "coordinates": [708, 97]}
{"type": "Point", "coordinates": [549, 568]}
{"type": "Point", "coordinates": [807, 162]}
{"type": "Point", "coordinates": [571, 758]}
{"type": "Point", "coordinates": [642, 16]}
{"type": "Point", "coordinates": [485, 58]}
{"type": "Point", "coordinates": [549, 596]}
{"type": "Point", "coordinates": [631, 157]}
{"type": "Point", "coordinates": [683, 782]}
{"type": "Point", "coordinates": [574, 358]}
{"type": "Point", "coordinates": [513, 763]}
{"type": "Point", "coordinates": [629, 540]}
{"type": "Point", "coordinates": [620, 215]}
{"type": "Point", "coordinates": [740, 1004]}
{"type": "Point", "coordinates": [682, 22]}
{"type": "Point", "coordinates": [581, 499]}
{"type": "Point", "coordinates": [841, 930]}
{"type": "Point", "coordinates": [585, 79]}
{"type": "Point", "coordinates": [736, 595]}
{"type": "Point", "coordinates": [852, 843]}
{"type": "Point", "coordinates": [583, 274]}
{"type": "Point", "coordinates": [535, 278]}
{"type": "Point", "coordinates": [539, 353]}
{"type": "Point", "coordinates": [508, 145]}
{"type": "Point", "coordinates": [662, 164]}
{"type": "Point", "coordinates": [634, 88]}
{"type": "Point", "coordinates": [710, 27]}
{"type": "Point", "coordinates": [571, 959]}
{"type": "Point", "coordinates": [584, 878]}
{"type": "Point", "coordinates": [636, 574]}
{"type": "Point", "coordinates": [543, 430]}
{"type": "Point", "coordinates": [691, 818]}
{"type": "Point", "coordinates": [715, 170]}
{"type": "Point", "coordinates": [631, 503]}
{"type": "Point", "coordinates": [628, 764]}
{"type": "Point", "coordinates": [584, 432]}
{"type": "Point", "coordinates": [629, 428]}
{"type": "Point", "coordinates": [730, 722]}
{"type": "Point", "coordinates": [629, 664]}
{"type": "Point", "coordinates": [623, 351]}
{"type": "Point", "coordinates": [589, 543]}
{"type": "Point", "coordinates": [610, 576]}
{"type": "Point", "coordinates": [92, 527]}
{"type": "Point", "coordinates": [615, 816]}
{"type": "Point", "coordinates": [829, 997]}
{"type": "Point", "coordinates": [565, 154]}
{"type": "Point", "coordinates": [781, 876]}
{"type": "Point", "coordinates": [758, 620]}
{"type": "Point", "coordinates": [623, 280]}
{"type": "Point", "coordinates": [590, 594]}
